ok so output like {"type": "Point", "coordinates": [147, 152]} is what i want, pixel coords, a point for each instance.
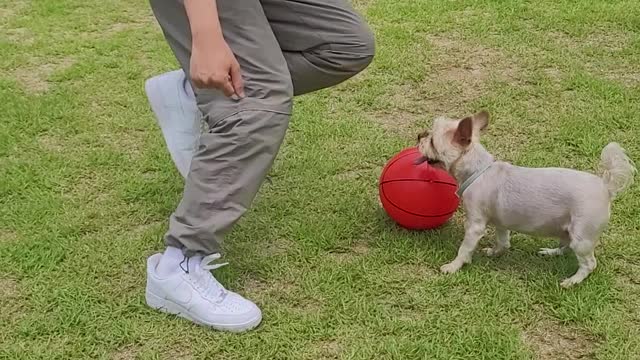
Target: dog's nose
{"type": "Point", "coordinates": [421, 160]}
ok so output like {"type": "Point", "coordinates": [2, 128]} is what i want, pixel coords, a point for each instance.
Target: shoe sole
{"type": "Point", "coordinates": [154, 97]}
{"type": "Point", "coordinates": [170, 307]}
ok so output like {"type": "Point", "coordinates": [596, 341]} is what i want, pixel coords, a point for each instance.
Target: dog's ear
{"type": "Point", "coordinates": [463, 133]}
{"type": "Point", "coordinates": [480, 120]}
{"type": "Point", "coordinates": [422, 135]}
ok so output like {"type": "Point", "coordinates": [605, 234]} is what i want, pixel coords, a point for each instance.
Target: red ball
{"type": "Point", "coordinates": [417, 197]}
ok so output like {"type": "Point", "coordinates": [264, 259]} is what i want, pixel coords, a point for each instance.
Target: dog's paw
{"type": "Point", "coordinates": [568, 282]}
{"type": "Point", "coordinates": [492, 251]}
{"type": "Point", "coordinates": [451, 267]}
{"type": "Point", "coordinates": [550, 252]}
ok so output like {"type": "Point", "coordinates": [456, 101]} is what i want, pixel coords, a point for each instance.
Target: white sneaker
{"type": "Point", "coordinates": [174, 105]}
{"type": "Point", "coordinates": [194, 294]}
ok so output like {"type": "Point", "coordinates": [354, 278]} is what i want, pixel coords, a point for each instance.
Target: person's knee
{"type": "Point", "coordinates": [351, 56]}
{"type": "Point", "coordinates": [362, 48]}
{"type": "Point", "coordinates": [360, 61]}
{"type": "Point", "coordinates": [368, 41]}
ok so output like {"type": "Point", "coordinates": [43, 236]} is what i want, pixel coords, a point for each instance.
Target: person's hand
{"type": "Point", "coordinates": [213, 65]}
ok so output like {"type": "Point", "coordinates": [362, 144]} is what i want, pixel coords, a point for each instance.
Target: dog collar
{"type": "Point", "coordinates": [471, 179]}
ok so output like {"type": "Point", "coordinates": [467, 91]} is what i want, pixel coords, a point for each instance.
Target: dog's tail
{"type": "Point", "coordinates": [617, 170]}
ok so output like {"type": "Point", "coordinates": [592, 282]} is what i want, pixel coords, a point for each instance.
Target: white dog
{"type": "Point", "coordinates": [571, 205]}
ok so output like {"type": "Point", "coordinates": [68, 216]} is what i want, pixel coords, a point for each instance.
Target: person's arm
{"type": "Point", "coordinates": [213, 64]}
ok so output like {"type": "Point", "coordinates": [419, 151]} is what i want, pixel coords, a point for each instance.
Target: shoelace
{"type": "Point", "coordinates": [206, 261]}
{"type": "Point", "coordinates": [211, 287]}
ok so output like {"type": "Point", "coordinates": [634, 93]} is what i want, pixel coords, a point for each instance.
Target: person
{"type": "Point", "coordinates": [242, 62]}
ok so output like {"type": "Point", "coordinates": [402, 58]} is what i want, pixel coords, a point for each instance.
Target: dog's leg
{"type": "Point", "coordinates": [502, 243]}
{"type": "Point", "coordinates": [474, 230]}
{"type": "Point", "coordinates": [553, 251]}
{"type": "Point", "coordinates": [587, 264]}
{"type": "Point", "coordinates": [561, 250]}
{"type": "Point", "coordinates": [584, 249]}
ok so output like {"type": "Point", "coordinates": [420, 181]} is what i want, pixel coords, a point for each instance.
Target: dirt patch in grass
{"type": "Point", "coordinates": [285, 292]}
{"type": "Point", "coordinates": [632, 279]}
{"type": "Point", "coordinates": [120, 27]}
{"type": "Point", "coordinates": [362, 5]}
{"type": "Point", "coordinates": [554, 74]}
{"type": "Point", "coordinates": [461, 72]}
{"type": "Point", "coordinates": [261, 288]}
{"type": "Point", "coordinates": [625, 74]}
{"type": "Point", "coordinates": [179, 354]}
{"type": "Point", "coordinates": [144, 22]}
{"type": "Point", "coordinates": [415, 272]}
{"type": "Point", "coordinates": [346, 255]}
{"type": "Point", "coordinates": [92, 186]}
{"type": "Point", "coordinates": [276, 247]}
{"type": "Point", "coordinates": [140, 23]}
{"type": "Point", "coordinates": [628, 282]}
{"type": "Point", "coordinates": [360, 248]}
{"type": "Point", "coordinates": [458, 72]}
{"type": "Point", "coordinates": [550, 340]}
{"type": "Point", "coordinates": [7, 236]}
{"type": "Point", "coordinates": [8, 289]}
{"type": "Point", "coordinates": [358, 173]}
{"type": "Point", "coordinates": [143, 229]}
{"type": "Point", "coordinates": [12, 302]}
{"type": "Point", "coordinates": [12, 8]}
{"type": "Point", "coordinates": [50, 143]}
{"type": "Point", "coordinates": [128, 352]}
{"type": "Point", "coordinates": [133, 351]}
{"type": "Point", "coordinates": [34, 78]}
{"type": "Point", "coordinates": [21, 36]}
{"type": "Point", "coordinates": [627, 276]}
{"type": "Point", "coordinates": [627, 79]}
{"type": "Point", "coordinates": [400, 122]}
{"type": "Point", "coordinates": [328, 349]}
{"type": "Point", "coordinates": [596, 51]}
{"type": "Point", "coordinates": [609, 40]}
{"type": "Point", "coordinates": [129, 142]}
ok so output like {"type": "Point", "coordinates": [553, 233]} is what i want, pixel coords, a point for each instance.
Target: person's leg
{"type": "Point", "coordinates": [229, 164]}
{"type": "Point", "coordinates": [174, 105]}
{"type": "Point", "coordinates": [233, 158]}
{"type": "Point", "coordinates": [324, 43]}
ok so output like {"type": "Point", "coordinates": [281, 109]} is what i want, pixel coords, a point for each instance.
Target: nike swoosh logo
{"type": "Point", "coordinates": [182, 295]}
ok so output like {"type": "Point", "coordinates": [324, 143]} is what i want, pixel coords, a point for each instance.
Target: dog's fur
{"type": "Point", "coordinates": [571, 205]}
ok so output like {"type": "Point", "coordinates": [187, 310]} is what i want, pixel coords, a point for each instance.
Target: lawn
{"type": "Point", "coordinates": [86, 188]}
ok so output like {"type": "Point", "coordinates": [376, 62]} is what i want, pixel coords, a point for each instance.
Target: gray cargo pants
{"type": "Point", "coordinates": [284, 48]}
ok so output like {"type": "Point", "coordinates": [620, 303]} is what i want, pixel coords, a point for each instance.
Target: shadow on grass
{"type": "Point", "coordinates": [441, 245]}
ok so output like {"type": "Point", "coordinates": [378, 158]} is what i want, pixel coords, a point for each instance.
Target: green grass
{"type": "Point", "coordinates": [86, 187]}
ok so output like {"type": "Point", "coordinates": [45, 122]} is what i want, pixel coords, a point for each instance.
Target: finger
{"type": "Point", "coordinates": [196, 82]}
{"type": "Point", "coordinates": [227, 88]}
{"type": "Point", "coordinates": [236, 79]}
